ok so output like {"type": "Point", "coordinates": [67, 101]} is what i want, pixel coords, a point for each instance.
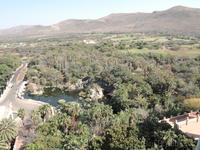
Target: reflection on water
{"type": "Point", "coordinates": [52, 95]}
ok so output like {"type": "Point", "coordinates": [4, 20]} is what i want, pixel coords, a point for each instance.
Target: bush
{"type": "Point", "coordinates": [35, 146]}
{"type": "Point", "coordinates": [74, 80]}
{"type": "Point", "coordinates": [67, 78]}
{"type": "Point", "coordinates": [43, 81]}
{"type": "Point", "coordinates": [82, 94]}
{"type": "Point", "coordinates": [192, 104]}
{"type": "Point", "coordinates": [30, 88]}
{"type": "Point", "coordinates": [36, 80]}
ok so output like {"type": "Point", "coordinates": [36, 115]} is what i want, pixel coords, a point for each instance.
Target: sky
{"type": "Point", "coordinates": [47, 12]}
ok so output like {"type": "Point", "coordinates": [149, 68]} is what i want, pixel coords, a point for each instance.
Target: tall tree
{"type": "Point", "coordinates": [34, 115]}
{"type": "Point", "coordinates": [21, 113]}
{"type": "Point", "coordinates": [64, 122]}
{"type": "Point", "coordinates": [122, 138]}
{"type": "Point", "coordinates": [44, 110]}
{"type": "Point", "coordinates": [8, 130]}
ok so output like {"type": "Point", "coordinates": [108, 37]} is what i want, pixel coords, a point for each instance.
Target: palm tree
{"type": "Point", "coordinates": [88, 117]}
{"type": "Point", "coordinates": [77, 111]}
{"type": "Point", "coordinates": [2, 145]}
{"type": "Point", "coordinates": [65, 122]}
{"type": "Point", "coordinates": [21, 113]}
{"type": "Point", "coordinates": [169, 137]}
{"type": "Point", "coordinates": [34, 115]}
{"type": "Point", "coordinates": [108, 111]}
{"type": "Point", "coordinates": [67, 108]}
{"type": "Point", "coordinates": [44, 110]}
{"type": "Point", "coordinates": [81, 129]}
{"type": "Point", "coordinates": [97, 114]}
{"type": "Point", "coordinates": [54, 121]}
{"type": "Point", "coordinates": [80, 139]}
{"type": "Point", "coordinates": [72, 109]}
{"type": "Point", "coordinates": [8, 130]}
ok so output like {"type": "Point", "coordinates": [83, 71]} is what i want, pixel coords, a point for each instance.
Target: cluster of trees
{"type": "Point", "coordinates": [98, 128]}
{"type": "Point", "coordinates": [8, 64]}
{"type": "Point", "coordinates": [137, 84]}
{"type": "Point", "coordinates": [139, 81]}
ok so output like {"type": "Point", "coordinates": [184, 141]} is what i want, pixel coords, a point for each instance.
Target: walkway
{"type": "Point", "coordinates": [11, 96]}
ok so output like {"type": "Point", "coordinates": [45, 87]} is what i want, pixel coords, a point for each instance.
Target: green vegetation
{"type": "Point", "coordinates": [142, 80]}
{"type": "Point", "coordinates": [8, 131]}
{"type": "Point", "coordinates": [193, 52]}
{"type": "Point", "coordinates": [192, 104]}
{"type": "Point", "coordinates": [8, 64]}
{"type": "Point", "coordinates": [144, 51]}
{"type": "Point", "coordinates": [2, 145]}
{"type": "Point", "coordinates": [98, 128]}
{"type": "Point", "coordinates": [34, 115]}
{"type": "Point", "coordinates": [44, 110]}
{"type": "Point", "coordinates": [21, 113]}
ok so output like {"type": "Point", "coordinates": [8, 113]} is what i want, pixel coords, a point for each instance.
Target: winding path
{"type": "Point", "coordinates": [11, 95]}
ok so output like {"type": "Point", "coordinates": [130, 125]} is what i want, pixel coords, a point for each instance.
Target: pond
{"type": "Point", "coordinates": [52, 95]}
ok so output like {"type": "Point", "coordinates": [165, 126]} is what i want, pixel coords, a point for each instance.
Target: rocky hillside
{"type": "Point", "coordinates": [177, 20]}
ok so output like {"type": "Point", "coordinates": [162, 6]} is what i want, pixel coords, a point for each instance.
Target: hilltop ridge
{"type": "Point", "coordinates": [176, 20]}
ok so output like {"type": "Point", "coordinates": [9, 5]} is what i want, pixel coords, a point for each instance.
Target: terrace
{"type": "Point", "coordinates": [188, 123]}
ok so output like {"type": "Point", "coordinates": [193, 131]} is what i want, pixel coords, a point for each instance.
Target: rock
{"type": "Point", "coordinates": [85, 81]}
{"type": "Point", "coordinates": [96, 93]}
{"type": "Point", "coordinates": [82, 94]}
{"type": "Point", "coordinates": [88, 105]}
{"type": "Point", "coordinates": [61, 101]}
{"type": "Point", "coordinates": [88, 100]}
{"type": "Point", "coordinates": [80, 98]}
{"type": "Point", "coordinates": [72, 87]}
{"type": "Point", "coordinates": [79, 84]}
{"type": "Point", "coordinates": [84, 104]}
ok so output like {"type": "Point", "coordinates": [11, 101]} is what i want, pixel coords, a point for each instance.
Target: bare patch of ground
{"type": "Point", "coordinates": [24, 69]}
{"type": "Point", "coordinates": [20, 77]}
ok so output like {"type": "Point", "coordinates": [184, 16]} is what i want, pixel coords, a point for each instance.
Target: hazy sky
{"type": "Point", "coordinates": [47, 12]}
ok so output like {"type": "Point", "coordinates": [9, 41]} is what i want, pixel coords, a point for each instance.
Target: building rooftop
{"type": "Point", "coordinates": [188, 123]}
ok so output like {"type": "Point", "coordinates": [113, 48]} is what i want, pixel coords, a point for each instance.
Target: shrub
{"type": "Point", "coordinates": [82, 94]}
{"type": "Point", "coordinates": [30, 88]}
{"type": "Point", "coordinates": [67, 78]}
{"type": "Point", "coordinates": [192, 104]}
{"type": "Point", "coordinates": [74, 80]}
{"type": "Point", "coordinates": [43, 81]}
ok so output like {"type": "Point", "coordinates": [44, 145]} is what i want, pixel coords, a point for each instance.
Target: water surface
{"type": "Point", "coordinates": [52, 95]}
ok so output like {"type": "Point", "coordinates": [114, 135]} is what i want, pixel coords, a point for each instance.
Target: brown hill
{"type": "Point", "coordinates": [177, 20]}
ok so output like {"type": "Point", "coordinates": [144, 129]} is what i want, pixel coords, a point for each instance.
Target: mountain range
{"type": "Point", "coordinates": [176, 20]}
